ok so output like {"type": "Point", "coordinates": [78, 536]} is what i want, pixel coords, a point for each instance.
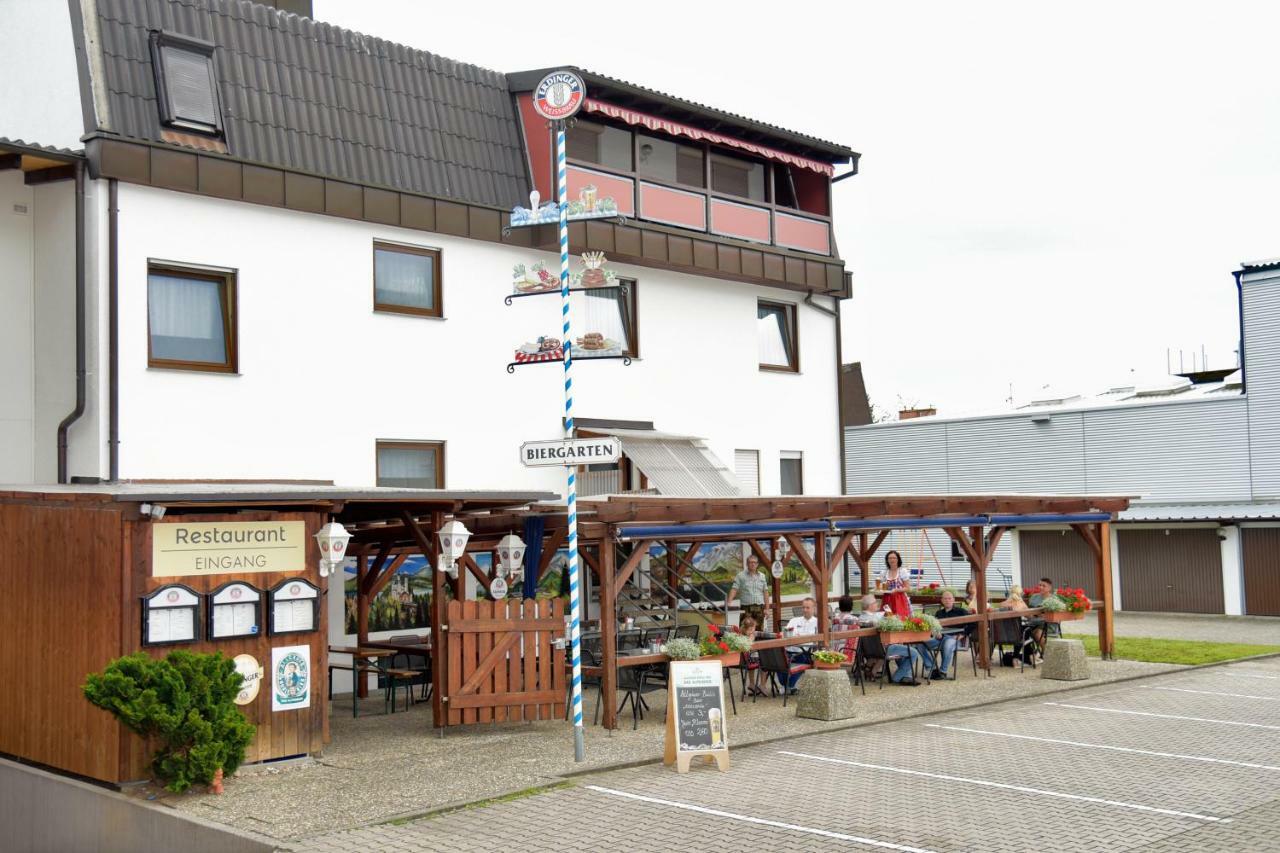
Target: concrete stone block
{"type": "Point", "coordinates": [825, 694]}
{"type": "Point", "coordinates": [1064, 661]}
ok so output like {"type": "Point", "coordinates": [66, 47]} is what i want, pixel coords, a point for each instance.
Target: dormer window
{"type": "Point", "coordinates": [186, 85]}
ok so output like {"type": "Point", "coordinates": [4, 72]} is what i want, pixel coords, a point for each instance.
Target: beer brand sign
{"type": "Point", "coordinates": [559, 95]}
{"type": "Point", "coordinates": [186, 548]}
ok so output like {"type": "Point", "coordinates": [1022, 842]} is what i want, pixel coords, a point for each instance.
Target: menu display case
{"type": "Point", "coordinates": [235, 610]}
{"type": "Point", "coordinates": [169, 615]}
{"type": "Point", "coordinates": [295, 607]}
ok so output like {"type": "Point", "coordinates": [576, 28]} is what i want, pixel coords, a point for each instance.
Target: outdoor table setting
{"type": "Point", "coordinates": [364, 659]}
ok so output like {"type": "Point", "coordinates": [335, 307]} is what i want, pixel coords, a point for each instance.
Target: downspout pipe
{"type": "Point", "coordinates": [65, 425]}
{"type": "Point", "coordinates": [113, 328]}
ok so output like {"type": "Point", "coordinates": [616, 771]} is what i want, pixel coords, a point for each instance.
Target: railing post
{"type": "Point", "coordinates": [1106, 618]}
{"type": "Point", "coordinates": [608, 633]}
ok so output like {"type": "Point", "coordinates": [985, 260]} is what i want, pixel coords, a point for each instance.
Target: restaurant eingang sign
{"type": "Point", "coordinates": [185, 548]}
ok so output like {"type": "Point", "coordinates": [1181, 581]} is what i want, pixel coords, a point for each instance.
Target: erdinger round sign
{"type": "Point", "coordinates": [559, 95]}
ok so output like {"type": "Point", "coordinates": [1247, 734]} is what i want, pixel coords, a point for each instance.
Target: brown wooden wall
{"type": "Point", "coordinates": [1178, 572]}
{"type": "Point", "coordinates": [60, 608]}
{"type": "Point", "coordinates": [1061, 556]}
{"type": "Point", "coordinates": [1261, 552]}
{"type": "Point", "coordinates": [280, 734]}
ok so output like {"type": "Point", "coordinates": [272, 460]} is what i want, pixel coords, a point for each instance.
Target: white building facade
{"type": "Point", "coordinates": [1199, 454]}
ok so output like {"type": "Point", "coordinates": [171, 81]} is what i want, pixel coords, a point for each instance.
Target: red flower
{"type": "Point", "coordinates": [724, 647]}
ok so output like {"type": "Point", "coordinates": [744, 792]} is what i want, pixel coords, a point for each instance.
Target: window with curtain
{"type": "Point", "coordinates": [791, 471]}
{"type": "Point", "coordinates": [611, 311]}
{"type": "Point", "coordinates": [602, 144]}
{"type": "Point", "coordinates": [406, 280]}
{"type": "Point", "coordinates": [776, 329]}
{"type": "Point", "coordinates": [190, 320]}
{"type": "Point", "coordinates": [411, 464]}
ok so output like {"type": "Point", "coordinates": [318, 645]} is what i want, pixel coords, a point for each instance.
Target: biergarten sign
{"type": "Point", "coordinates": [186, 548]}
{"type": "Point", "coordinates": [695, 714]}
{"type": "Point", "coordinates": [570, 451]}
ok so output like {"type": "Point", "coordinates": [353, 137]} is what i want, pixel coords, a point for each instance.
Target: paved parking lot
{"type": "Point", "coordinates": [1180, 762]}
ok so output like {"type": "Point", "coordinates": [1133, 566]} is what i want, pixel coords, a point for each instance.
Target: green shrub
{"type": "Point", "coordinates": [186, 702]}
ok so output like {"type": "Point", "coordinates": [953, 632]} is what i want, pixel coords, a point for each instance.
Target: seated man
{"type": "Point", "coordinates": [1036, 627]}
{"type": "Point", "coordinates": [946, 644]}
{"type": "Point", "coordinates": [798, 626]}
{"type": "Point", "coordinates": [904, 669]}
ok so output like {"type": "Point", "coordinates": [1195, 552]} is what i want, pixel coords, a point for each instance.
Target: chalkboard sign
{"type": "Point", "coordinates": [695, 714]}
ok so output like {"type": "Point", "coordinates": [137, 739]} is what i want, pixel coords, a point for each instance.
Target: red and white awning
{"type": "Point", "coordinates": [675, 128]}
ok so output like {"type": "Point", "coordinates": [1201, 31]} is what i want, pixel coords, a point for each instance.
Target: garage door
{"type": "Point", "coordinates": [1261, 548]}
{"type": "Point", "coordinates": [1175, 572]}
{"type": "Point", "coordinates": [1060, 555]}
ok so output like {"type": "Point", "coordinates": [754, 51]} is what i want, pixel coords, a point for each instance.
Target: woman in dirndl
{"type": "Point", "coordinates": [895, 586]}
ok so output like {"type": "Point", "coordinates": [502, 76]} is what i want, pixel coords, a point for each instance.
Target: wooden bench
{"type": "Point", "coordinates": [364, 669]}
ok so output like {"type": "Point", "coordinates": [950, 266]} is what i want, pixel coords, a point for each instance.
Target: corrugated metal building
{"type": "Point", "coordinates": [1203, 457]}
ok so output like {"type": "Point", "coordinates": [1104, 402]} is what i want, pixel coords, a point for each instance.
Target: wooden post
{"type": "Point", "coordinates": [1106, 617]}
{"type": "Point", "coordinates": [362, 601]}
{"type": "Point", "coordinates": [439, 628]}
{"type": "Point", "coordinates": [984, 627]}
{"type": "Point", "coordinates": [822, 584]}
{"type": "Point", "coordinates": [608, 633]}
{"type": "Point", "coordinates": [775, 587]}
{"type": "Point", "coordinates": [864, 564]}
{"type": "Point", "coordinates": [672, 578]}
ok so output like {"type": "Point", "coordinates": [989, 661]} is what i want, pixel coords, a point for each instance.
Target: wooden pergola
{"type": "Point", "coordinates": [616, 533]}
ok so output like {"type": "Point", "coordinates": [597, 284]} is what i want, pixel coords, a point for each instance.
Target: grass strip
{"type": "Point", "coordinates": [1186, 652]}
{"type": "Point", "coordinates": [481, 804]}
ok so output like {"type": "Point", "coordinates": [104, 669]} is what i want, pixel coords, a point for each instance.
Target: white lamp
{"type": "Point", "coordinates": [332, 539]}
{"type": "Point", "coordinates": [510, 556]}
{"type": "Point", "coordinates": [453, 544]}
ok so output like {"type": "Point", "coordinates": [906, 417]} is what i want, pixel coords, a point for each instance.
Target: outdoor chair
{"type": "Point", "coordinates": [591, 656]}
{"type": "Point", "coordinates": [634, 681]}
{"type": "Point", "coordinates": [1008, 634]}
{"type": "Point", "coordinates": [659, 634]}
{"type": "Point", "coordinates": [419, 663]}
{"type": "Point", "coordinates": [392, 677]}
{"type": "Point", "coordinates": [627, 640]}
{"type": "Point", "coordinates": [689, 632]}
{"type": "Point", "coordinates": [871, 651]}
{"type": "Point", "coordinates": [964, 643]}
{"type": "Point", "coordinates": [775, 662]}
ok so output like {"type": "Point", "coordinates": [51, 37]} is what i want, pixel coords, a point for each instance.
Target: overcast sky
{"type": "Point", "coordinates": [1049, 194]}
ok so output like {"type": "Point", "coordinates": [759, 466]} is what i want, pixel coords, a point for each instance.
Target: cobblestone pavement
{"type": "Point", "coordinates": [1184, 761]}
{"type": "Point", "coordinates": [1260, 630]}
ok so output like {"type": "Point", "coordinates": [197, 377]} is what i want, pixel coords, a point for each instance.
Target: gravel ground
{"type": "Point", "coordinates": [378, 768]}
{"type": "Point", "coordinates": [1261, 630]}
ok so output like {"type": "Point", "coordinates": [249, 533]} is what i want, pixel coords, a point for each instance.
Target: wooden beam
{"type": "Point", "coordinates": [388, 573]}
{"type": "Point", "coordinates": [471, 566]}
{"type": "Point", "coordinates": [381, 560]}
{"type": "Point", "coordinates": [966, 546]}
{"type": "Point", "coordinates": [863, 559]}
{"type": "Point", "coordinates": [1085, 531]}
{"type": "Point", "coordinates": [842, 546]}
{"type": "Point", "coordinates": [797, 548]}
{"type": "Point", "coordinates": [870, 551]}
{"type": "Point", "coordinates": [997, 533]}
{"type": "Point", "coordinates": [639, 552]}
{"type": "Point", "coordinates": [821, 586]}
{"type": "Point", "coordinates": [591, 561]}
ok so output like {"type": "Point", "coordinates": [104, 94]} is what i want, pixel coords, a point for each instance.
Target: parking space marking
{"type": "Point", "coordinates": [1249, 675]}
{"type": "Point", "coordinates": [1210, 693]}
{"type": "Point", "coordinates": [810, 830]}
{"type": "Point", "coordinates": [1164, 716]}
{"type": "Point", "coordinates": [1008, 787]}
{"type": "Point", "coordinates": [1128, 749]}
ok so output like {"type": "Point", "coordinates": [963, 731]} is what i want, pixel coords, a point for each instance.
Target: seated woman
{"type": "Point", "coordinates": [1014, 601]}
{"type": "Point", "coordinates": [845, 620]}
{"type": "Point", "coordinates": [747, 627]}
{"type": "Point", "coordinates": [971, 596]}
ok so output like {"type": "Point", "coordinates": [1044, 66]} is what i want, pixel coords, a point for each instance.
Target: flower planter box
{"type": "Point", "coordinates": [730, 659]}
{"type": "Point", "coordinates": [1061, 616]}
{"type": "Point", "coordinates": [817, 664]}
{"type": "Point", "coordinates": [890, 638]}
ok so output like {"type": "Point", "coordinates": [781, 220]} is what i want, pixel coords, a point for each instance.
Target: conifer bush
{"type": "Point", "coordinates": [186, 703]}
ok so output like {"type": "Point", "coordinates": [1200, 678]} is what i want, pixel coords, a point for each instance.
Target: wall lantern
{"type": "Point", "coordinates": [510, 556]}
{"type": "Point", "coordinates": [332, 539]}
{"type": "Point", "coordinates": [453, 544]}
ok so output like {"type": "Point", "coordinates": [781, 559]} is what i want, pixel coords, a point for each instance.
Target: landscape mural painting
{"type": "Point", "coordinates": [404, 604]}
{"type": "Point", "coordinates": [717, 563]}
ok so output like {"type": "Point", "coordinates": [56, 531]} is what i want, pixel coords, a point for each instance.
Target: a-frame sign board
{"type": "Point", "coordinates": [695, 714]}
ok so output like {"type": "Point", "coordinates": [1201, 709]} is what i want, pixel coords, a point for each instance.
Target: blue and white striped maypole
{"type": "Point", "coordinates": [571, 510]}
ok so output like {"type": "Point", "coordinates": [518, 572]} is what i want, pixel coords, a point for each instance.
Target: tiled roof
{"type": "Point", "coordinates": [37, 149]}
{"type": "Point", "coordinates": [318, 98]}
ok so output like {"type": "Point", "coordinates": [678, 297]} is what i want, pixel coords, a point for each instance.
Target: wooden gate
{"type": "Point", "coordinates": [503, 663]}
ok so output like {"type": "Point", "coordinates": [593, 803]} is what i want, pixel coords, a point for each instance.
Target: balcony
{"type": "Point", "coordinates": [707, 211]}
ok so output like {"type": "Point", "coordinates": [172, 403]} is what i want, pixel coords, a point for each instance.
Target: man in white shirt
{"type": "Point", "coordinates": [798, 626]}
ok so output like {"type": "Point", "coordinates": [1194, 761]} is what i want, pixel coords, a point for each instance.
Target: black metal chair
{"type": "Point", "coordinates": [419, 663]}
{"type": "Point", "coordinates": [689, 632]}
{"type": "Point", "coordinates": [629, 639]}
{"type": "Point", "coordinates": [775, 662]}
{"type": "Point", "coordinates": [1009, 634]}
{"type": "Point", "coordinates": [659, 634]}
{"type": "Point", "coordinates": [591, 656]}
{"type": "Point", "coordinates": [964, 642]}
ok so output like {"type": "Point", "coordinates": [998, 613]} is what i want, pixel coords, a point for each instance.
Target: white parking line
{"type": "Point", "coordinates": [1249, 675]}
{"type": "Point", "coordinates": [1127, 749]}
{"type": "Point", "coordinates": [1210, 692]}
{"type": "Point", "coordinates": [1021, 788]}
{"type": "Point", "coordinates": [1164, 716]}
{"type": "Point", "coordinates": [825, 833]}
